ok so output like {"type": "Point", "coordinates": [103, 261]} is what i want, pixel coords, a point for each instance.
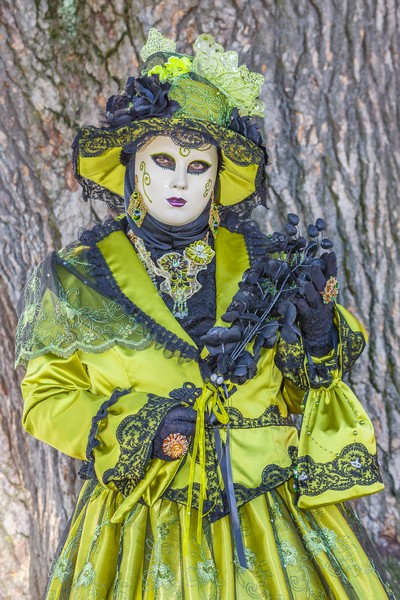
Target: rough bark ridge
{"type": "Point", "coordinates": [332, 83]}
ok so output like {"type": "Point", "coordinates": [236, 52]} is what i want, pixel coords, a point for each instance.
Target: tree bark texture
{"type": "Point", "coordinates": [332, 86]}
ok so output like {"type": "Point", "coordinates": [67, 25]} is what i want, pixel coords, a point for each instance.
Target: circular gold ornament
{"type": "Point", "coordinates": [175, 445]}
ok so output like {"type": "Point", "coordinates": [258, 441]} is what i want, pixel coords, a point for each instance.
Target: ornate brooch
{"type": "Point", "coordinates": [330, 291]}
{"type": "Point", "coordinates": [179, 271]}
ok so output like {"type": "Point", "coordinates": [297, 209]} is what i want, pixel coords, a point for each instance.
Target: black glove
{"type": "Point", "coordinates": [315, 317]}
{"type": "Point", "coordinates": [179, 420]}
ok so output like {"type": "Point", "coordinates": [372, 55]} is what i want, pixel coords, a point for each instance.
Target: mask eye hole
{"type": "Point", "coordinates": [165, 161]}
{"type": "Point", "coordinates": [197, 167]}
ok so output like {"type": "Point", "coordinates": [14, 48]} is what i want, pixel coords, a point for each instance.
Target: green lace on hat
{"type": "Point", "coordinates": [156, 42]}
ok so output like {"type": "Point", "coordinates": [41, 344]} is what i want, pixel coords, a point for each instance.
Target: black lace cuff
{"type": "Point", "coordinates": [296, 363]}
{"type": "Point", "coordinates": [135, 437]}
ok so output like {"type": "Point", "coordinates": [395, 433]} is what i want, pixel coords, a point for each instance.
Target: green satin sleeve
{"type": "Point", "coordinates": [61, 410]}
{"type": "Point", "coordinates": [59, 406]}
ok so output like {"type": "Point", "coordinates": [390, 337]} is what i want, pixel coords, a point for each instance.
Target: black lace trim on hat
{"type": "Point", "coordinates": [94, 191]}
{"type": "Point", "coordinates": [94, 142]}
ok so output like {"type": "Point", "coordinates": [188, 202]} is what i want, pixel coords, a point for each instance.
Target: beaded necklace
{"type": "Point", "coordinates": [179, 271]}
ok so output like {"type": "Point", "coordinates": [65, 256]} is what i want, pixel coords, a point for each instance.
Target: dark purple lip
{"type": "Point", "coordinates": [174, 201]}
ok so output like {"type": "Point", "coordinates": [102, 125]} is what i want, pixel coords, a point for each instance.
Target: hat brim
{"type": "Point", "coordinates": [98, 154]}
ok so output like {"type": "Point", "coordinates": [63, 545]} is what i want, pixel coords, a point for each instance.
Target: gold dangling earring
{"type": "Point", "coordinates": [137, 209]}
{"type": "Point", "coordinates": [213, 220]}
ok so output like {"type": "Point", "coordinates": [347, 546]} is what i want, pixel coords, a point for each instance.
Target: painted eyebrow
{"type": "Point", "coordinates": [157, 155]}
{"type": "Point", "coordinates": [160, 154]}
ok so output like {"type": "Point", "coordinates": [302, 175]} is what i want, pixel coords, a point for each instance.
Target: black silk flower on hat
{"type": "Point", "coordinates": [143, 97]}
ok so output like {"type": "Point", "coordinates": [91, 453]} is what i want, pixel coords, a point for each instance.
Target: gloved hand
{"type": "Point", "coordinates": [179, 420]}
{"type": "Point", "coordinates": [316, 317]}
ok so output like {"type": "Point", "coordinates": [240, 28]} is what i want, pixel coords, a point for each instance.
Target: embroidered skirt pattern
{"type": "Point", "coordinates": [291, 554]}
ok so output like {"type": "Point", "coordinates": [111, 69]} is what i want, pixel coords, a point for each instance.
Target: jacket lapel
{"type": "Point", "coordinates": [231, 261]}
{"type": "Point", "coordinates": [134, 282]}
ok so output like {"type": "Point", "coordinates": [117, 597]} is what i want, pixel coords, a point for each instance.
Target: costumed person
{"type": "Point", "coordinates": [168, 347]}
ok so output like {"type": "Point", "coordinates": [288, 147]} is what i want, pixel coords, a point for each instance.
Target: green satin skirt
{"type": "Point", "coordinates": [291, 553]}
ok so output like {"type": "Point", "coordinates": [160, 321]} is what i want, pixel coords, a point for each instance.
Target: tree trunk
{"type": "Point", "coordinates": [331, 92]}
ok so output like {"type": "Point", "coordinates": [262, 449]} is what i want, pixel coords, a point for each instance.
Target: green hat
{"type": "Point", "coordinates": [204, 98]}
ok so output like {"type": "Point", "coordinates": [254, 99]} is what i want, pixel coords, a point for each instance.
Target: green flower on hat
{"type": "Point", "coordinates": [173, 68]}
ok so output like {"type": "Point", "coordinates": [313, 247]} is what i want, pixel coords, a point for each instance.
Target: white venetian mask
{"type": "Point", "coordinates": [175, 182]}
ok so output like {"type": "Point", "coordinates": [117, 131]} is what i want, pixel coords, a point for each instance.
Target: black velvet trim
{"type": "Point", "coordinates": [87, 469]}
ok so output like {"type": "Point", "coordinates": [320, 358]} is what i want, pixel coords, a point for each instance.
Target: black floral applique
{"type": "Point", "coordinates": [272, 477]}
{"type": "Point", "coordinates": [135, 436]}
{"type": "Point", "coordinates": [354, 466]}
{"type": "Point", "coordinates": [271, 416]}
{"type": "Point", "coordinates": [187, 394]}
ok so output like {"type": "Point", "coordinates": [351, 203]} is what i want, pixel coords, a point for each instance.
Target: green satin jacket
{"type": "Point", "coordinates": [106, 361]}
